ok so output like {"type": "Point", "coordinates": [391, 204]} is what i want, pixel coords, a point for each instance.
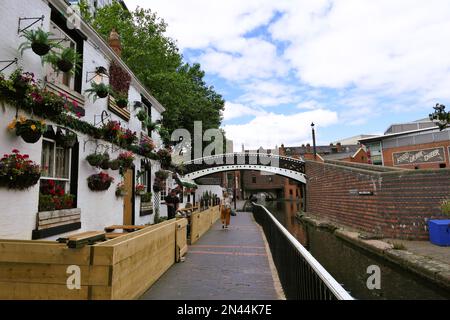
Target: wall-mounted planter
{"type": "Point", "coordinates": [100, 182]}
{"type": "Point", "coordinates": [50, 223]}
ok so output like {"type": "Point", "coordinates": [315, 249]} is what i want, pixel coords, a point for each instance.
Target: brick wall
{"type": "Point", "coordinates": [401, 204]}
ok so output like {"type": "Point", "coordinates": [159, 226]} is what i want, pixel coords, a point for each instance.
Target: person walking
{"type": "Point", "coordinates": [226, 210]}
{"type": "Point", "coordinates": [172, 202]}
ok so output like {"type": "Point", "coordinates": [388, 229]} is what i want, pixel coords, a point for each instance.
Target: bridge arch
{"type": "Point", "coordinates": [280, 165]}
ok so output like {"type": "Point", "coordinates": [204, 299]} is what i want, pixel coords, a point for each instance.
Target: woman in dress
{"type": "Point", "coordinates": [226, 210]}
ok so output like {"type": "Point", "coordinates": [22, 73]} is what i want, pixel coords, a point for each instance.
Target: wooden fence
{"type": "Point", "coordinates": [123, 268]}
{"type": "Point", "coordinates": [202, 221]}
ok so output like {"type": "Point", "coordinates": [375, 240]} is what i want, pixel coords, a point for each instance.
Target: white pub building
{"type": "Point", "coordinates": [85, 141]}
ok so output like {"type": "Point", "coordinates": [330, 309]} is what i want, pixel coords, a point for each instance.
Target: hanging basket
{"type": "Point", "coordinates": [114, 165]}
{"type": "Point", "coordinates": [64, 65]}
{"type": "Point", "coordinates": [122, 103]}
{"type": "Point", "coordinates": [41, 49]}
{"type": "Point", "coordinates": [100, 182]}
{"type": "Point", "coordinates": [98, 185]}
{"type": "Point", "coordinates": [102, 93]}
{"type": "Point", "coordinates": [30, 136]}
{"type": "Point", "coordinates": [67, 140]}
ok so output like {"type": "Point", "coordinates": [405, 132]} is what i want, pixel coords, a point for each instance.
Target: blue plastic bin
{"type": "Point", "coordinates": [439, 232]}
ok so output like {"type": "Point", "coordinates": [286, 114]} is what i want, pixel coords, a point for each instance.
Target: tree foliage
{"type": "Point", "coordinates": [157, 62]}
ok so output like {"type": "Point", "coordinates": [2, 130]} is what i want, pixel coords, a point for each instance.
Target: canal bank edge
{"type": "Point", "coordinates": [435, 271]}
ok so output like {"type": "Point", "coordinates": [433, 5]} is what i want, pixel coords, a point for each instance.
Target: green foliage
{"type": "Point", "coordinates": [66, 56]}
{"type": "Point", "coordinates": [147, 197]}
{"type": "Point", "coordinates": [446, 207]}
{"type": "Point", "coordinates": [98, 90]}
{"type": "Point", "coordinates": [36, 37]}
{"type": "Point", "coordinates": [156, 61]}
{"type": "Point", "coordinates": [55, 202]}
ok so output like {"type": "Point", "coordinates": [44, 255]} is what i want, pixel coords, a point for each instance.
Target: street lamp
{"type": "Point", "coordinates": [314, 141]}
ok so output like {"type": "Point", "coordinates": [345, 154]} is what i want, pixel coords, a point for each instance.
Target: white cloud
{"type": "Point", "coordinates": [310, 105]}
{"type": "Point", "coordinates": [199, 23]}
{"type": "Point", "coordinates": [271, 129]}
{"type": "Point", "coordinates": [361, 59]}
{"type": "Point", "coordinates": [268, 93]}
{"type": "Point", "coordinates": [253, 58]}
{"type": "Point", "coordinates": [391, 46]}
{"type": "Point", "coordinates": [236, 110]}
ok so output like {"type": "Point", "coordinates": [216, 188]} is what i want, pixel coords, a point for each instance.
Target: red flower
{"type": "Point", "coordinates": [15, 151]}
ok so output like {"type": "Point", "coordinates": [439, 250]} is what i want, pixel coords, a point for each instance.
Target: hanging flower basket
{"type": "Point", "coordinates": [30, 130]}
{"type": "Point", "coordinates": [140, 189]}
{"type": "Point", "coordinates": [114, 164]}
{"type": "Point", "coordinates": [122, 102]}
{"type": "Point", "coordinates": [99, 160]}
{"type": "Point", "coordinates": [126, 159]}
{"type": "Point", "coordinates": [41, 49]}
{"type": "Point", "coordinates": [120, 190]}
{"type": "Point", "coordinates": [100, 182]}
{"type": "Point", "coordinates": [67, 140]}
{"type": "Point", "coordinates": [17, 171]}
{"type": "Point", "coordinates": [38, 40]}
{"type": "Point", "coordinates": [66, 61]}
{"type": "Point", "coordinates": [162, 174]}
{"type": "Point", "coordinates": [142, 115]}
{"type": "Point", "coordinates": [99, 90]}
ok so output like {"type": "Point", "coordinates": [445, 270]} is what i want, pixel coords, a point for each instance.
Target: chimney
{"type": "Point", "coordinates": [339, 147]}
{"type": "Point", "coordinates": [308, 148]}
{"type": "Point", "coordinates": [114, 42]}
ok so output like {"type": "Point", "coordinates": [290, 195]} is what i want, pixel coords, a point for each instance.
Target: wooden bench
{"type": "Point", "coordinates": [125, 228]}
{"type": "Point", "coordinates": [114, 235]}
{"type": "Point", "coordinates": [80, 240]}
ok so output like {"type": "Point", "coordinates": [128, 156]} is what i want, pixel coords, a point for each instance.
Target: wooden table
{"type": "Point", "coordinates": [124, 227]}
{"type": "Point", "coordinates": [80, 240]}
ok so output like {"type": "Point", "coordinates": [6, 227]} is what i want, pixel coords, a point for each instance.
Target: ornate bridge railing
{"type": "Point", "coordinates": [234, 159]}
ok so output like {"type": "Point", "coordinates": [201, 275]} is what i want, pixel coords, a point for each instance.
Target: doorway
{"type": "Point", "coordinates": [128, 199]}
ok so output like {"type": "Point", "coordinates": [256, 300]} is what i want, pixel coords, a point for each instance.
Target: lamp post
{"type": "Point", "coordinates": [314, 140]}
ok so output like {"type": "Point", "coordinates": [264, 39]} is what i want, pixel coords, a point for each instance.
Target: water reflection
{"type": "Point", "coordinates": [348, 264]}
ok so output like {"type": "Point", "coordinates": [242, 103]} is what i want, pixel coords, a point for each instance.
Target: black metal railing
{"type": "Point", "coordinates": [301, 275]}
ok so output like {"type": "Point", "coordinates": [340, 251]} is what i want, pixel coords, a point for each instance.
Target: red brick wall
{"type": "Point", "coordinates": [400, 206]}
{"type": "Point", "coordinates": [388, 160]}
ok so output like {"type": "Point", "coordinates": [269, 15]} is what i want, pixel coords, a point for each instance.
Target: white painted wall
{"type": "Point", "coordinates": [18, 209]}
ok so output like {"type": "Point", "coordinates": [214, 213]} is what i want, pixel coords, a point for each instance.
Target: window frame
{"type": "Point", "coordinates": [67, 181]}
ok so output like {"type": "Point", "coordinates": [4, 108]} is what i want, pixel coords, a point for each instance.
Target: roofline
{"type": "Point", "coordinates": [357, 151]}
{"type": "Point", "coordinates": [100, 43]}
{"type": "Point", "coordinates": [382, 137]}
{"type": "Point", "coordinates": [406, 123]}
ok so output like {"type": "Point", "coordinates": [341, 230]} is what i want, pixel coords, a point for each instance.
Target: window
{"type": "Point", "coordinates": [253, 179]}
{"type": "Point", "coordinates": [56, 164]}
{"type": "Point", "coordinates": [376, 154]}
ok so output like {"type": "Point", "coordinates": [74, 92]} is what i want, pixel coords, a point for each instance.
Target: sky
{"type": "Point", "coordinates": [350, 66]}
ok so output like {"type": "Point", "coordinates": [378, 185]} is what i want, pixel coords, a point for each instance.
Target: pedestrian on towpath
{"type": "Point", "coordinates": [226, 210]}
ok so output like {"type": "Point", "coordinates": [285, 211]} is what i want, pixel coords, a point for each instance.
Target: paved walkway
{"type": "Point", "coordinates": [426, 249]}
{"type": "Point", "coordinates": [222, 265]}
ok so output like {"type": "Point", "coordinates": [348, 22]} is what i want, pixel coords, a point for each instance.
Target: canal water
{"type": "Point", "coordinates": [348, 264]}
